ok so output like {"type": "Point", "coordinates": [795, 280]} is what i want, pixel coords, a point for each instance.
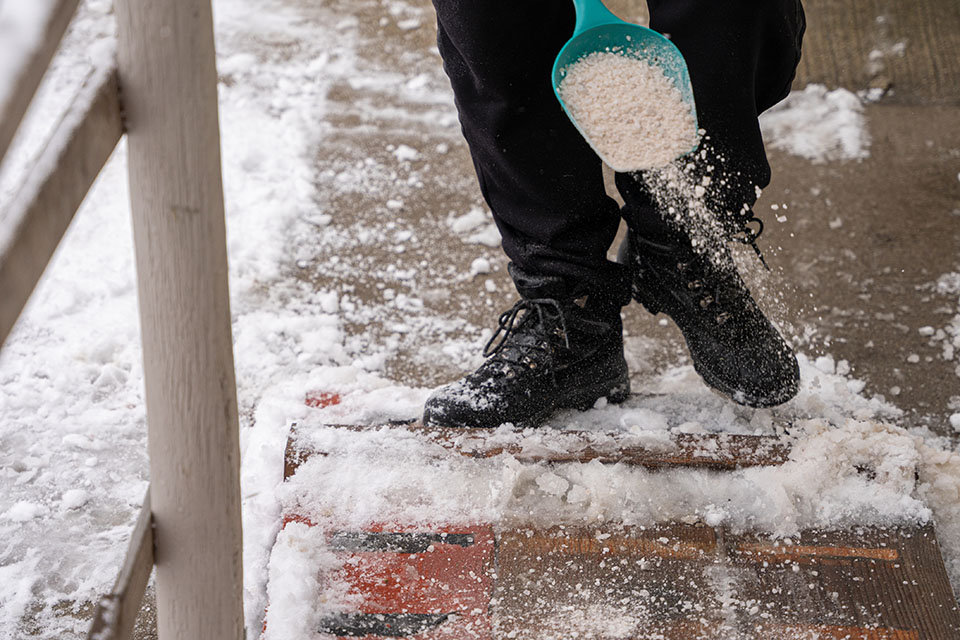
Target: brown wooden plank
{"type": "Point", "coordinates": [117, 612]}
{"type": "Point", "coordinates": [695, 582]}
{"type": "Point", "coordinates": [25, 85]}
{"type": "Point", "coordinates": [829, 632]}
{"type": "Point", "coordinates": [911, 47]}
{"type": "Point", "coordinates": [887, 583]}
{"type": "Point", "coordinates": [711, 451]}
{"type": "Point", "coordinates": [36, 219]}
{"type": "Point", "coordinates": [607, 582]}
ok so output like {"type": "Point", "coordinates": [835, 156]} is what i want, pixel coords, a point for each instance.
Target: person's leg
{"type": "Point", "coordinates": [561, 345]}
{"type": "Point", "coordinates": [541, 180]}
{"type": "Point", "coordinates": [742, 55]}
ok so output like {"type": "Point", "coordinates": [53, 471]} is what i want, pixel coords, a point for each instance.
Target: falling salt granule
{"type": "Point", "coordinates": [628, 110]}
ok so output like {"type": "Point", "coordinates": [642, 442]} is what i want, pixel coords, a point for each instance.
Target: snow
{"type": "Point", "coordinates": [22, 26]}
{"type": "Point", "coordinates": [834, 433]}
{"type": "Point", "coordinates": [818, 124]}
{"type": "Point", "coordinates": [73, 465]}
{"type": "Point", "coordinates": [74, 499]}
{"type": "Point", "coordinates": [24, 511]}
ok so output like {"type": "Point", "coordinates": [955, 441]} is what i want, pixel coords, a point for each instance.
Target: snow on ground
{"type": "Point", "coordinates": [818, 124]}
{"type": "Point", "coordinates": [72, 428]}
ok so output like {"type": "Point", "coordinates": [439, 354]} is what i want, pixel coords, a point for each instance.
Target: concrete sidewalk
{"type": "Point", "coordinates": [854, 263]}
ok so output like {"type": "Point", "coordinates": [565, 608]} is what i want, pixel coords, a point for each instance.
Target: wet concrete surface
{"type": "Point", "coordinates": [862, 247]}
{"type": "Point", "coordinates": [854, 264]}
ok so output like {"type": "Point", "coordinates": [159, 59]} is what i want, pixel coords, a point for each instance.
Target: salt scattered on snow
{"type": "Point", "coordinates": [405, 153]}
{"type": "Point", "coordinates": [474, 227]}
{"type": "Point", "coordinates": [409, 24]}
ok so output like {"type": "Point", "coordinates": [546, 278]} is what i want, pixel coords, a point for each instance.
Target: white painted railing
{"type": "Point", "coordinates": [163, 95]}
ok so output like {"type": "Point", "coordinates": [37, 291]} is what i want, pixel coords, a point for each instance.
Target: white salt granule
{"type": "Point", "coordinates": [628, 110]}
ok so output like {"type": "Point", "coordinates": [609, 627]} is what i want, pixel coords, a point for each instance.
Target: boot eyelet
{"type": "Point", "coordinates": [706, 302]}
{"type": "Point", "coordinates": [694, 285]}
{"type": "Point", "coordinates": [723, 317]}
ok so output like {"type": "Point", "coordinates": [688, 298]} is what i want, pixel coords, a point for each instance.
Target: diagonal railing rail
{"type": "Point", "coordinates": [189, 526]}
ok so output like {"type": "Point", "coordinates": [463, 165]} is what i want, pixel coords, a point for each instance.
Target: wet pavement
{"type": "Point", "coordinates": [854, 263]}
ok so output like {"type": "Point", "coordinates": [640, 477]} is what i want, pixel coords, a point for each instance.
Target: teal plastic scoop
{"type": "Point", "coordinates": [599, 30]}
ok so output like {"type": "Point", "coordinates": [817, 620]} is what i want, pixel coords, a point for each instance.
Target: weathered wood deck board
{"type": "Point", "coordinates": [912, 48]}
{"type": "Point", "coordinates": [712, 451]}
{"type": "Point", "coordinates": [663, 582]}
{"type": "Point", "coordinates": [610, 581]}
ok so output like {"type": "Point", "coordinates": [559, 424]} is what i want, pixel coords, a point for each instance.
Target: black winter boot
{"type": "Point", "coordinates": [733, 345]}
{"type": "Point", "coordinates": [546, 354]}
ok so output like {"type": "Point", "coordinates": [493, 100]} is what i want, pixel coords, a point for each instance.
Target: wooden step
{"type": "Point", "coordinates": [612, 582]}
{"type": "Point", "coordinates": [710, 450]}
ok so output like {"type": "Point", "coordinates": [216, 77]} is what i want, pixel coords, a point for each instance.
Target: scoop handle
{"type": "Point", "coordinates": [592, 13]}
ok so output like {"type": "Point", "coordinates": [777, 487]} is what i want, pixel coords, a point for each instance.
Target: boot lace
{"type": "Point", "coordinates": [523, 341]}
{"type": "Point", "coordinates": [744, 233]}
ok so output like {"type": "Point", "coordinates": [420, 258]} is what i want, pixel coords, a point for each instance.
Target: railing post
{"type": "Point", "coordinates": [168, 85]}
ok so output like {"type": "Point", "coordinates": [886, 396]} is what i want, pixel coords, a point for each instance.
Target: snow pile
{"type": "Point", "coordinates": [73, 465]}
{"type": "Point", "coordinates": [74, 452]}
{"type": "Point", "coordinates": [818, 124]}
{"type": "Point", "coordinates": [300, 557]}
{"type": "Point", "coordinates": [392, 476]}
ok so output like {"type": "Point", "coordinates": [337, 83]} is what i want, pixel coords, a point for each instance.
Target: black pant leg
{"type": "Point", "coordinates": [541, 180]}
{"type": "Point", "coordinates": [742, 56]}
